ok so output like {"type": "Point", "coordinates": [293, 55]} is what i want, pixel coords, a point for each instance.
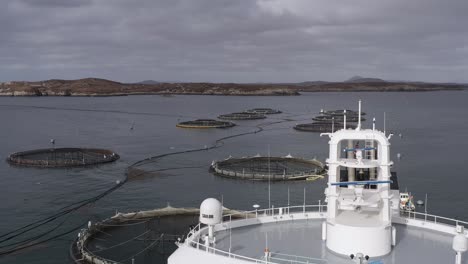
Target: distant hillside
{"type": "Point", "coordinates": [359, 79]}
{"type": "Point", "coordinates": [310, 83]}
{"type": "Point", "coordinates": [102, 87]}
{"type": "Point", "coordinates": [148, 82]}
{"type": "Point", "coordinates": [381, 87]}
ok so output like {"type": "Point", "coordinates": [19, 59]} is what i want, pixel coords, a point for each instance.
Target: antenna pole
{"type": "Point", "coordinates": [359, 121]}
{"type": "Point", "coordinates": [425, 205]}
{"type": "Point", "coordinates": [344, 119]}
{"type": "Point", "coordinates": [373, 123]}
{"type": "Point", "coordinates": [230, 238]}
{"type": "Point", "coordinates": [384, 123]}
{"type": "Point", "coordinates": [333, 124]}
{"type": "Point", "coordinates": [304, 199]}
{"type": "Point", "coordinates": [269, 176]}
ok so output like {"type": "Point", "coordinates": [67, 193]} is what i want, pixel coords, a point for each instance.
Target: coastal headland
{"type": "Point", "coordinates": [102, 87]}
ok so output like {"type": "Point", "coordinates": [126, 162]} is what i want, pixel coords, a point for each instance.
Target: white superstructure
{"type": "Point", "coordinates": [361, 222]}
{"type": "Point", "coordinates": [359, 210]}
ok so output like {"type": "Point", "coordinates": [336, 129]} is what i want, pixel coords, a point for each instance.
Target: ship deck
{"type": "Point", "coordinates": [300, 241]}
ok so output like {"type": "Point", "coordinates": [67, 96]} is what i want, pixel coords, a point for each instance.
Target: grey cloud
{"type": "Point", "coordinates": [234, 41]}
{"type": "Point", "coordinates": [56, 3]}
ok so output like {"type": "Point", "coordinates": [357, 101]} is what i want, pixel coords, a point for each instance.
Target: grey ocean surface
{"type": "Point", "coordinates": [433, 146]}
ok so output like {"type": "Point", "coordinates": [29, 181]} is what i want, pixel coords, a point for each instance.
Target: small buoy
{"type": "Point", "coordinates": [398, 155]}
{"type": "Point", "coordinates": [172, 148]}
{"type": "Point", "coordinates": [400, 135]}
{"type": "Point", "coordinates": [420, 202]}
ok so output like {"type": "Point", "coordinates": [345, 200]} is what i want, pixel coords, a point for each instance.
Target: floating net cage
{"type": "Point", "coordinates": [264, 111]}
{"type": "Point", "coordinates": [62, 157]}
{"type": "Point", "coordinates": [268, 168]}
{"type": "Point", "coordinates": [137, 237]}
{"type": "Point", "coordinates": [322, 127]}
{"type": "Point", "coordinates": [330, 118]}
{"type": "Point", "coordinates": [341, 112]}
{"type": "Point", "coordinates": [242, 116]}
{"type": "Point", "coordinates": [145, 236]}
{"type": "Point", "coordinates": [205, 123]}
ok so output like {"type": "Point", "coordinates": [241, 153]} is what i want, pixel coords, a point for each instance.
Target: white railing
{"type": "Point", "coordinates": [193, 237]}
{"type": "Point", "coordinates": [276, 211]}
{"type": "Point", "coordinates": [288, 210]}
{"type": "Point", "coordinates": [296, 259]}
{"type": "Point", "coordinates": [432, 218]}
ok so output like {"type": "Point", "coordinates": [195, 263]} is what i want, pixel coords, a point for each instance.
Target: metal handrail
{"type": "Point", "coordinates": [291, 261]}
{"type": "Point", "coordinates": [228, 254]}
{"type": "Point", "coordinates": [196, 232]}
{"type": "Point", "coordinates": [298, 257]}
{"type": "Point", "coordinates": [271, 211]}
{"type": "Point", "coordinates": [424, 216]}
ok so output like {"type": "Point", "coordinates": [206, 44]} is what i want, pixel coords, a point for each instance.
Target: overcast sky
{"type": "Point", "coordinates": [234, 40]}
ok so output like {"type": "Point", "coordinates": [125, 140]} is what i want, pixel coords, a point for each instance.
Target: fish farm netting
{"type": "Point", "coordinates": [330, 118]}
{"type": "Point", "coordinates": [263, 111]}
{"type": "Point", "coordinates": [341, 112]}
{"type": "Point", "coordinates": [205, 123]}
{"type": "Point", "coordinates": [242, 116]}
{"type": "Point", "coordinates": [268, 168]}
{"type": "Point", "coordinates": [139, 239]}
{"type": "Point", "coordinates": [322, 127]}
{"type": "Point", "coordinates": [62, 157]}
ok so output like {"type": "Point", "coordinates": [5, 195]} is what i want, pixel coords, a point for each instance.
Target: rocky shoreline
{"type": "Point", "coordinates": [102, 87]}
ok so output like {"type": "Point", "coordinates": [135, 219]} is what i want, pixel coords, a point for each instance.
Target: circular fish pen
{"type": "Point", "coordinates": [341, 112]}
{"type": "Point", "coordinates": [137, 237]}
{"type": "Point", "coordinates": [62, 157]}
{"type": "Point", "coordinates": [330, 118]}
{"type": "Point", "coordinates": [322, 127]}
{"type": "Point", "coordinates": [263, 111]}
{"type": "Point", "coordinates": [242, 116]}
{"type": "Point", "coordinates": [205, 123]}
{"type": "Point", "coordinates": [269, 168]}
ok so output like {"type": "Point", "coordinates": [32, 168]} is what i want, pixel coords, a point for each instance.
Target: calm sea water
{"type": "Point", "coordinates": [433, 147]}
